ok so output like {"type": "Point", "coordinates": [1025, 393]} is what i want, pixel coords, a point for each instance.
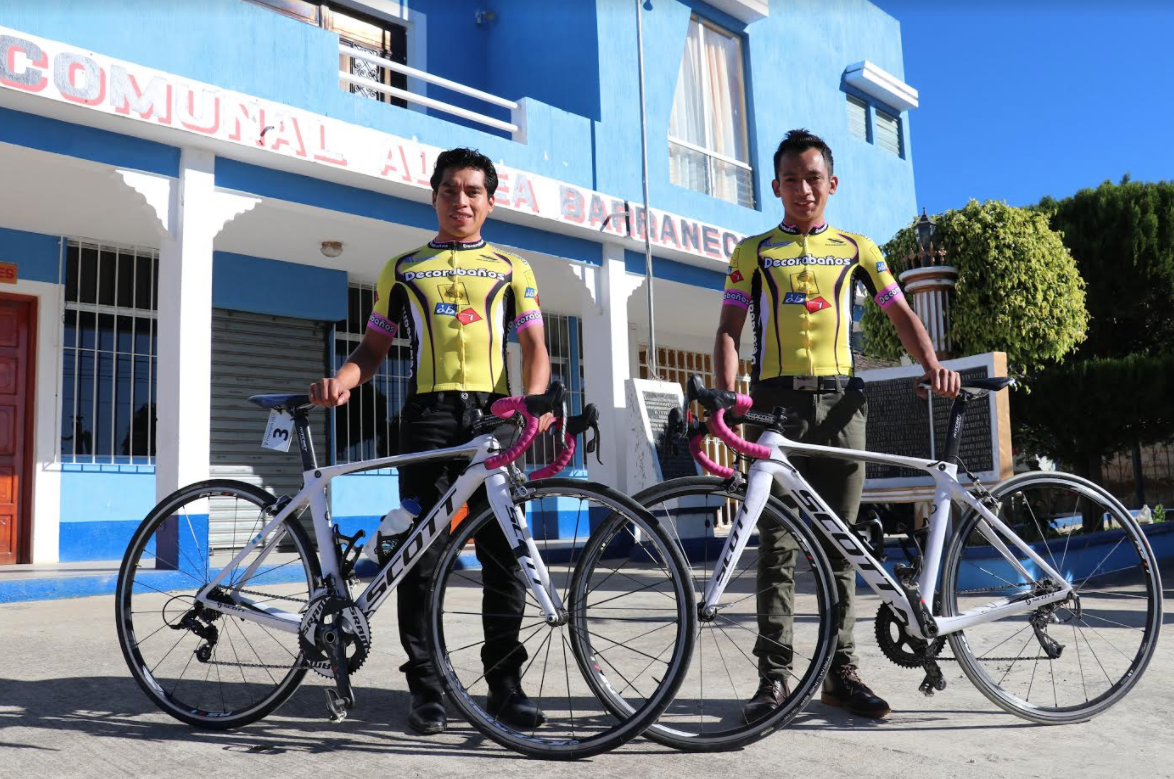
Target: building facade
{"type": "Point", "coordinates": [173, 177]}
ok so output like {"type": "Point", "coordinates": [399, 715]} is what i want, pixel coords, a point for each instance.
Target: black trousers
{"type": "Point", "coordinates": [434, 421]}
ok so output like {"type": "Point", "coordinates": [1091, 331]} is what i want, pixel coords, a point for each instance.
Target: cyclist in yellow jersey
{"type": "Point", "coordinates": [796, 281]}
{"type": "Point", "coordinates": [455, 300]}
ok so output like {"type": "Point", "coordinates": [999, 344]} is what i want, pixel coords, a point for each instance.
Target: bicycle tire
{"type": "Point", "coordinates": [689, 724]}
{"type": "Point", "coordinates": [173, 584]}
{"type": "Point", "coordinates": [576, 724]}
{"type": "Point", "coordinates": [1107, 614]}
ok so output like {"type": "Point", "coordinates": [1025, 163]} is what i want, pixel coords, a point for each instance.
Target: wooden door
{"type": "Point", "coordinates": [17, 337]}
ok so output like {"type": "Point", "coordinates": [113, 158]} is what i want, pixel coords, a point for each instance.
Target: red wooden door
{"type": "Point", "coordinates": [17, 336]}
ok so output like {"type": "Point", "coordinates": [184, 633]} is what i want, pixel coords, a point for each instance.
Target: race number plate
{"type": "Point", "coordinates": [279, 430]}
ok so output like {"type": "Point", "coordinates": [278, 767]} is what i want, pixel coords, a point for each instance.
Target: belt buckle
{"type": "Point", "coordinates": [806, 383]}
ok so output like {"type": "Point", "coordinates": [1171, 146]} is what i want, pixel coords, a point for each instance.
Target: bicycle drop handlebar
{"type": "Point", "coordinates": [531, 408]}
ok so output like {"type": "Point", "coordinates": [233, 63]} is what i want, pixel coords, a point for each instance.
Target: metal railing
{"type": "Point", "coordinates": [427, 102]}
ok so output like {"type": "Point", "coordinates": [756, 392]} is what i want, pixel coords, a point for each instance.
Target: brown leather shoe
{"type": "Point", "coordinates": [842, 688]}
{"type": "Point", "coordinates": [771, 694]}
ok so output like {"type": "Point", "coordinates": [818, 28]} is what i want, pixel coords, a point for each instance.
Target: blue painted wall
{"type": "Point", "coordinates": [263, 286]}
{"type": "Point", "coordinates": [87, 143]}
{"type": "Point", "coordinates": [36, 256]}
{"type": "Point", "coordinates": [576, 64]}
{"type": "Point", "coordinates": [101, 505]}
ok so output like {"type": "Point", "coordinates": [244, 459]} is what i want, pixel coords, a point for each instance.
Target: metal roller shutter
{"type": "Point", "coordinates": [254, 354]}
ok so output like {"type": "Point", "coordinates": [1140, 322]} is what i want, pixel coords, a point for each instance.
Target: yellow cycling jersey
{"type": "Point", "coordinates": [798, 288]}
{"type": "Point", "coordinates": [456, 302]}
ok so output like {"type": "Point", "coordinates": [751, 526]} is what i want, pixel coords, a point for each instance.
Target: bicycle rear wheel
{"type": "Point", "coordinates": [200, 666]}
{"type": "Point", "coordinates": [798, 640]}
{"type": "Point", "coordinates": [1070, 661]}
{"type": "Point", "coordinates": [629, 625]}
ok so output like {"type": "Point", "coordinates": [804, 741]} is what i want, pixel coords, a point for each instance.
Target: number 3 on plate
{"type": "Point", "coordinates": [278, 432]}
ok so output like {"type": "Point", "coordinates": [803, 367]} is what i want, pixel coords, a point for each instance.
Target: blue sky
{"type": "Point", "coordinates": [1026, 98]}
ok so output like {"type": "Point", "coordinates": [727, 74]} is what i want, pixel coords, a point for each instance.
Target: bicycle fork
{"type": "Point", "coordinates": [517, 532]}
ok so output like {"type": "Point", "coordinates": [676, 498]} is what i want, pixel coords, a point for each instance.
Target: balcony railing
{"type": "Point", "coordinates": [368, 84]}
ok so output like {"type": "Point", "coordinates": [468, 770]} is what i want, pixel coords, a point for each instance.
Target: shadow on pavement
{"type": "Point", "coordinates": [115, 707]}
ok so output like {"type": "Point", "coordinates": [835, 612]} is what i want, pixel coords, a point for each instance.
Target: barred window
{"type": "Point", "coordinates": [109, 354]}
{"type": "Point", "coordinates": [368, 425]}
{"type": "Point", "coordinates": [564, 344]}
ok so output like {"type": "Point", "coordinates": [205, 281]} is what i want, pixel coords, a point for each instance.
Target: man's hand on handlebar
{"type": "Point", "coordinates": [941, 381]}
{"type": "Point", "coordinates": [329, 393]}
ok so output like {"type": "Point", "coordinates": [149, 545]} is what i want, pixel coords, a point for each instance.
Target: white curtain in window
{"type": "Point", "coordinates": [687, 122]}
{"type": "Point", "coordinates": [724, 70]}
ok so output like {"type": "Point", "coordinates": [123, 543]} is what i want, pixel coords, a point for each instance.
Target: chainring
{"type": "Point", "coordinates": [356, 634]}
{"type": "Point", "coordinates": [901, 648]}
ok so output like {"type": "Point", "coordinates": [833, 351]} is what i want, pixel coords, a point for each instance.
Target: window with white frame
{"type": "Point", "coordinates": [108, 367]}
{"type": "Point", "coordinates": [709, 148]}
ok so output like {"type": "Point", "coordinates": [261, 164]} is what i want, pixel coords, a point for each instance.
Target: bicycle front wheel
{"type": "Point", "coordinates": [1068, 661]}
{"type": "Point", "coordinates": [200, 666]}
{"type": "Point", "coordinates": [629, 622]}
{"type": "Point", "coordinates": [774, 621]}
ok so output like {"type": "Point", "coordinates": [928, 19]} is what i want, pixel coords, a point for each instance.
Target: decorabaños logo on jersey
{"type": "Point", "coordinates": [441, 274]}
{"type": "Point", "coordinates": [808, 260]}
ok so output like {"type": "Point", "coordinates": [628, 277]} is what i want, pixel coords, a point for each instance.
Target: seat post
{"type": "Point", "coordinates": [305, 444]}
{"type": "Point", "coordinates": [954, 429]}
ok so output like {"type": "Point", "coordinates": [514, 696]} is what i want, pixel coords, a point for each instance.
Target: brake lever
{"type": "Point", "coordinates": [592, 443]}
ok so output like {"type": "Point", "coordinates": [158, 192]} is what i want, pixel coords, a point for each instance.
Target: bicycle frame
{"type": "Point", "coordinates": [778, 469]}
{"type": "Point", "coordinates": [423, 535]}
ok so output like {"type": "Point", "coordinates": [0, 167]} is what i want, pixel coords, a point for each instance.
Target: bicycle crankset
{"type": "Point", "coordinates": [898, 645]}
{"type": "Point", "coordinates": [327, 617]}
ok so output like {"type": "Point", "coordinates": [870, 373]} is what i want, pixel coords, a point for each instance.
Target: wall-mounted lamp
{"type": "Point", "coordinates": [332, 249]}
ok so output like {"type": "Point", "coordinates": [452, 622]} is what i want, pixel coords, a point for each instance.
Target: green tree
{"type": "Point", "coordinates": [1122, 237]}
{"type": "Point", "coordinates": [1018, 288]}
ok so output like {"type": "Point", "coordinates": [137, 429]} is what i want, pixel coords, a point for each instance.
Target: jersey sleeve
{"type": "Point", "coordinates": [387, 313]}
{"type": "Point", "coordinates": [739, 276]}
{"type": "Point", "coordinates": [527, 311]}
{"type": "Point", "coordinates": [877, 277]}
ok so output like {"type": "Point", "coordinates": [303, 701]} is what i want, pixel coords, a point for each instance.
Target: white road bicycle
{"type": "Point", "coordinates": [1050, 623]}
{"type": "Point", "coordinates": [219, 638]}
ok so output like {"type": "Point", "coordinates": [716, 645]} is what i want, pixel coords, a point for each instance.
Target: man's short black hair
{"type": "Point", "coordinates": [799, 141]}
{"type": "Point", "coordinates": [464, 158]}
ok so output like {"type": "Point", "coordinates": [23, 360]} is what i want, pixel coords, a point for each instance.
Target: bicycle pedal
{"type": "Point", "coordinates": [337, 705]}
{"type": "Point", "coordinates": [934, 680]}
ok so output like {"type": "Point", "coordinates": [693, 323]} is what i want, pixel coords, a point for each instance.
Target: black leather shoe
{"type": "Point", "coordinates": [508, 704]}
{"type": "Point", "coordinates": [842, 688]}
{"type": "Point", "coordinates": [771, 694]}
{"type": "Point", "coordinates": [426, 714]}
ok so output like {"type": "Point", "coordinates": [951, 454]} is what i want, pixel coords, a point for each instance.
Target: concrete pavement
{"type": "Point", "coordinates": [69, 708]}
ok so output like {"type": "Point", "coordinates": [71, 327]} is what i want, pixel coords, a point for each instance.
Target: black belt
{"type": "Point", "coordinates": [455, 396]}
{"type": "Point", "coordinates": [814, 383]}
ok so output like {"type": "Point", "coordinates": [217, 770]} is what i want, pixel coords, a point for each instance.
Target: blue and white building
{"type": "Point", "coordinates": [174, 177]}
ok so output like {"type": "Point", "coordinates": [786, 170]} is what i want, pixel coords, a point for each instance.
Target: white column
{"type": "Point", "coordinates": [184, 375]}
{"type": "Point", "coordinates": [190, 213]}
{"type": "Point", "coordinates": [606, 359]}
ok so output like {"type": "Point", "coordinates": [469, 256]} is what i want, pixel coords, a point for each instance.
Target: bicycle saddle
{"type": "Point", "coordinates": [279, 401]}
{"type": "Point", "coordinates": [979, 386]}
